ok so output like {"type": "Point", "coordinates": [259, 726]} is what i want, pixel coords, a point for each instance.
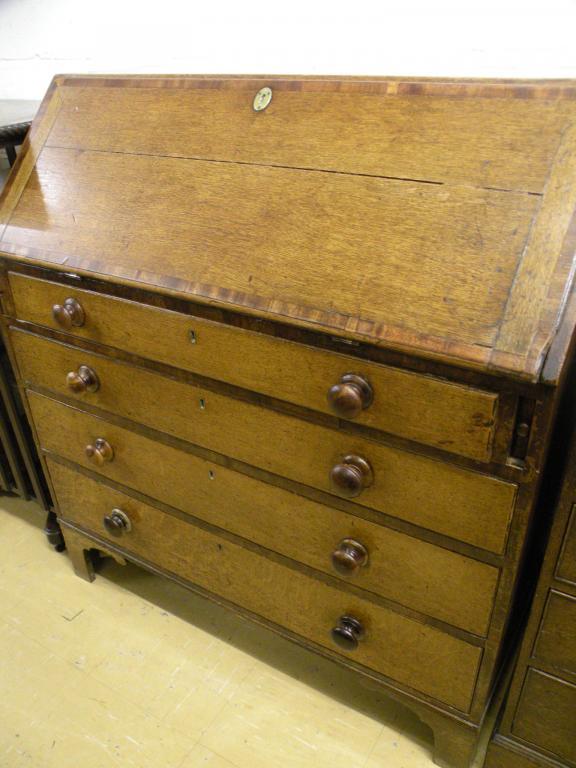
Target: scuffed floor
{"type": "Point", "coordinates": [135, 671]}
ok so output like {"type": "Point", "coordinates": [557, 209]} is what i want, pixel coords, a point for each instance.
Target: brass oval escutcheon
{"type": "Point", "coordinates": [262, 99]}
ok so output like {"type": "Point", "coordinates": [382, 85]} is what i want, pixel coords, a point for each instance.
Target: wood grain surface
{"type": "Point", "coordinates": [456, 418]}
{"type": "Point", "coordinates": [533, 314]}
{"type": "Point", "coordinates": [418, 656]}
{"type": "Point", "coordinates": [487, 142]}
{"type": "Point", "coordinates": [420, 256]}
{"type": "Point", "coordinates": [424, 577]}
{"type": "Point", "coordinates": [555, 640]}
{"type": "Point", "coordinates": [400, 212]}
{"type": "Point", "coordinates": [466, 505]}
{"type": "Point", "coordinates": [545, 714]}
{"type": "Point", "coordinates": [27, 157]}
{"type": "Point", "coordinates": [504, 752]}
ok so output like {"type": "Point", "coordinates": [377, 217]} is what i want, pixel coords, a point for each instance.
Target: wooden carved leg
{"type": "Point", "coordinates": [79, 548]}
{"type": "Point", "coordinates": [455, 749]}
{"type": "Point", "coordinates": [455, 743]}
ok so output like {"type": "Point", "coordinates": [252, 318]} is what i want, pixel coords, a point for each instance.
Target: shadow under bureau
{"type": "Point", "coordinates": [299, 345]}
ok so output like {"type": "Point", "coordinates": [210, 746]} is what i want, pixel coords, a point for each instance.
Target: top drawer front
{"type": "Point", "coordinates": [450, 416]}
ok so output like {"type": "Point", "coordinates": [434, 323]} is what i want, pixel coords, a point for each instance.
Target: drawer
{"type": "Point", "coordinates": [412, 653]}
{"type": "Point", "coordinates": [556, 641]}
{"type": "Point", "coordinates": [566, 570]}
{"type": "Point", "coordinates": [422, 576]}
{"type": "Point", "coordinates": [546, 714]}
{"type": "Point", "coordinates": [427, 578]}
{"type": "Point", "coordinates": [465, 505]}
{"type": "Point", "coordinates": [450, 416]}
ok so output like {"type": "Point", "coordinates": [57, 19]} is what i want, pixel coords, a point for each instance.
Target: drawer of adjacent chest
{"type": "Point", "coordinates": [546, 714]}
{"type": "Point", "coordinates": [453, 417]}
{"type": "Point", "coordinates": [431, 579]}
{"type": "Point", "coordinates": [556, 640]}
{"type": "Point", "coordinates": [414, 654]}
{"type": "Point", "coordinates": [465, 505]}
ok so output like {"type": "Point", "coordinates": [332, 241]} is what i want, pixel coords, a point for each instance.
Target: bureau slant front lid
{"type": "Point", "coordinates": [435, 218]}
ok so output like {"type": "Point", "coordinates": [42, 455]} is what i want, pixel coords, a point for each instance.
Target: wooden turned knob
{"type": "Point", "coordinates": [347, 633]}
{"type": "Point", "coordinates": [351, 476]}
{"type": "Point", "coordinates": [350, 396]}
{"type": "Point", "coordinates": [117, 523]}
{"type": "Point", "coordinates": [349, 557]}
{"type": "Point", "coordinates": [83, 380]}
{"type": "Point", "coordinates": [100, 452]}
{"type": "Point", "coordinates": [69, 314]}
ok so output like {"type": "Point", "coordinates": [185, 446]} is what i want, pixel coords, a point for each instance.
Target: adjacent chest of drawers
{"type": "Point", "coordinates": [299, 345]}
{"type": "Point", "coordinates": [538, 724]}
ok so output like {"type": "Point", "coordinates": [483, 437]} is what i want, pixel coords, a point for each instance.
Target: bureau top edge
{"type": "Point", "coordinates": [446, 365]}
{"type": "Point", "coordinates": [304, 333]}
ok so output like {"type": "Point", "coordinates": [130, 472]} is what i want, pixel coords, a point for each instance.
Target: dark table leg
{"type": "Point", "coordinates": [53, 533]}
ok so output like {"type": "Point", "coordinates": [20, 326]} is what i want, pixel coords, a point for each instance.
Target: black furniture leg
{"type": "Point", "coordinates": [53, 533]}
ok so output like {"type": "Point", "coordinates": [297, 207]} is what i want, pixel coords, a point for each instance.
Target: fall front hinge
{"type": "Point", "coordinates": [522, 429]}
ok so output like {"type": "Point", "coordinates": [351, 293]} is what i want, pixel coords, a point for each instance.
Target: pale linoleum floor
{"type": "Point", "coordinates": [136, 671]}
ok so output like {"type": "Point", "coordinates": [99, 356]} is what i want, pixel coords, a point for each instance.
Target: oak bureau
{"type": "Point", "coordinates": [299, 344]}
